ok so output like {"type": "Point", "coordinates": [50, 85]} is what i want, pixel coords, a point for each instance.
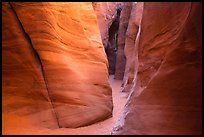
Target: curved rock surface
{"type": "Point", "coordinates": [130, 50]}
{"type": "Point", "coordinates": [24, 92]}
{"type": "Point", "coordinates": [166, 95]}
{"type": "Point", "coordinates": [54, 65]}
{"type": "Point", "coordinates": [55, 70]}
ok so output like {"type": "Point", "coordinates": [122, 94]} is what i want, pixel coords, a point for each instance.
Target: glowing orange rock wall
{"type": "Point", "coordinates": [166, 89]}
{"type": "Point", "coordinates": [24, 93]}
{"type": "Point", "coordinates": [54, 65]}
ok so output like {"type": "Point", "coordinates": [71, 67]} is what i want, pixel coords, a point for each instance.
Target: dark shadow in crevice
{"type": "Point", "coordinates": [111, 49]}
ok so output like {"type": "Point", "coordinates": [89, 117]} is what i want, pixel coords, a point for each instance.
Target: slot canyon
{"type": "Point", "coordinates": [110, 68]}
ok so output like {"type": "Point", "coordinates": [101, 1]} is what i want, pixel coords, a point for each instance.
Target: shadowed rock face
{"type": "Point", "coordinates": [123, 25]}
{"type": "Point", "coordinates": [166, 87]}
{"type": "Point", "coordinates": [130, 50]}
{"type": "Point", "coordinates": [111, 49]}
{"type": "Point", "coordinates": [50, 52]}
{"type": "Point", "coordinates": [108, 14]}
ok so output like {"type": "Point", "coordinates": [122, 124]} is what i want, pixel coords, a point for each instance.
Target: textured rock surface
{"type": "Point", "coordinates": [167, 96]}
{"type": "Point", "coordinates": [99, 128]}
{"type": "Point", "coordinates": [24, 93]}
{"type": "Point", "coordinates": [120, 60]}
{"type": "Point", "coordinates": [58, 88]}
{"type": "Point", "coordinates": [106, 13]}
{"type": "Point", "coordinates": [130, 50]}
{"type": "Point", "coordinates": [111, 49]}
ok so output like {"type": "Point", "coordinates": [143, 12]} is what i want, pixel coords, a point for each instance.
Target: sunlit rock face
{"type": "Point", "coordinates": [24, 93]}
{"type": "Point", "coordinates": [166, 88]}
{"type": "Point", "coordinates": [54, 66]}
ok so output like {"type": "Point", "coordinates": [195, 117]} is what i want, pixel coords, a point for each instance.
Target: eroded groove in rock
{"type": "Point", "coordinates": [37, 56]}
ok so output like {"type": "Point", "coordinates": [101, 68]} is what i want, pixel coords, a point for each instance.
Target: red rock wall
{"type": "Point", "coordinates": [166, 94]}
{"type": "Point", "coordinates": [58, 77]}
{"type": "Point", "coordinates": [24, 93]}
{"type": "Point", "coordinates": [123, 25]}
{"type": "Point", "coordinates": [108, 15]}
{"type": "Point", "coordinates": [130, 50]}
{"type": "Point", "coordinates": [106, 12]}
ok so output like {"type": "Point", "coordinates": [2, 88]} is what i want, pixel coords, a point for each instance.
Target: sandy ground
{"type": "Point", "coordinates": [101, 128]}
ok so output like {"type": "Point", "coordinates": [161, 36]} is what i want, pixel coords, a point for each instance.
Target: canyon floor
{"type": "Point", "coordinates": [100, 128]}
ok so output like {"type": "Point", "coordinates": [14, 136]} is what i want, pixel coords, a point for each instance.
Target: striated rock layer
{"type": "Point", "coordinates": [24, 92]}
{"type": "Point", "coordinates": [54, 66]}
{"type": "Point", "coordinates": [166, 90]}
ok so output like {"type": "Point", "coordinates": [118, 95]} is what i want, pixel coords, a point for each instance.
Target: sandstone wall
{"type": "Point", "coordinates": [54, 66]}
{"type": "Point", "coordinates": [166, 92]}
{"type": "Point", "coordinates": [123, 25]}
{"type": "Point", "coordinates": [106, 13]}
{"type": "Point", "coordinates": [130, 50]}
{"type": "Point", "coordinates": [24, 92]}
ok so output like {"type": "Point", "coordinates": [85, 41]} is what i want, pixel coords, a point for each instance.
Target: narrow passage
{"type": "Point", "coordinates": [101, 128]}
